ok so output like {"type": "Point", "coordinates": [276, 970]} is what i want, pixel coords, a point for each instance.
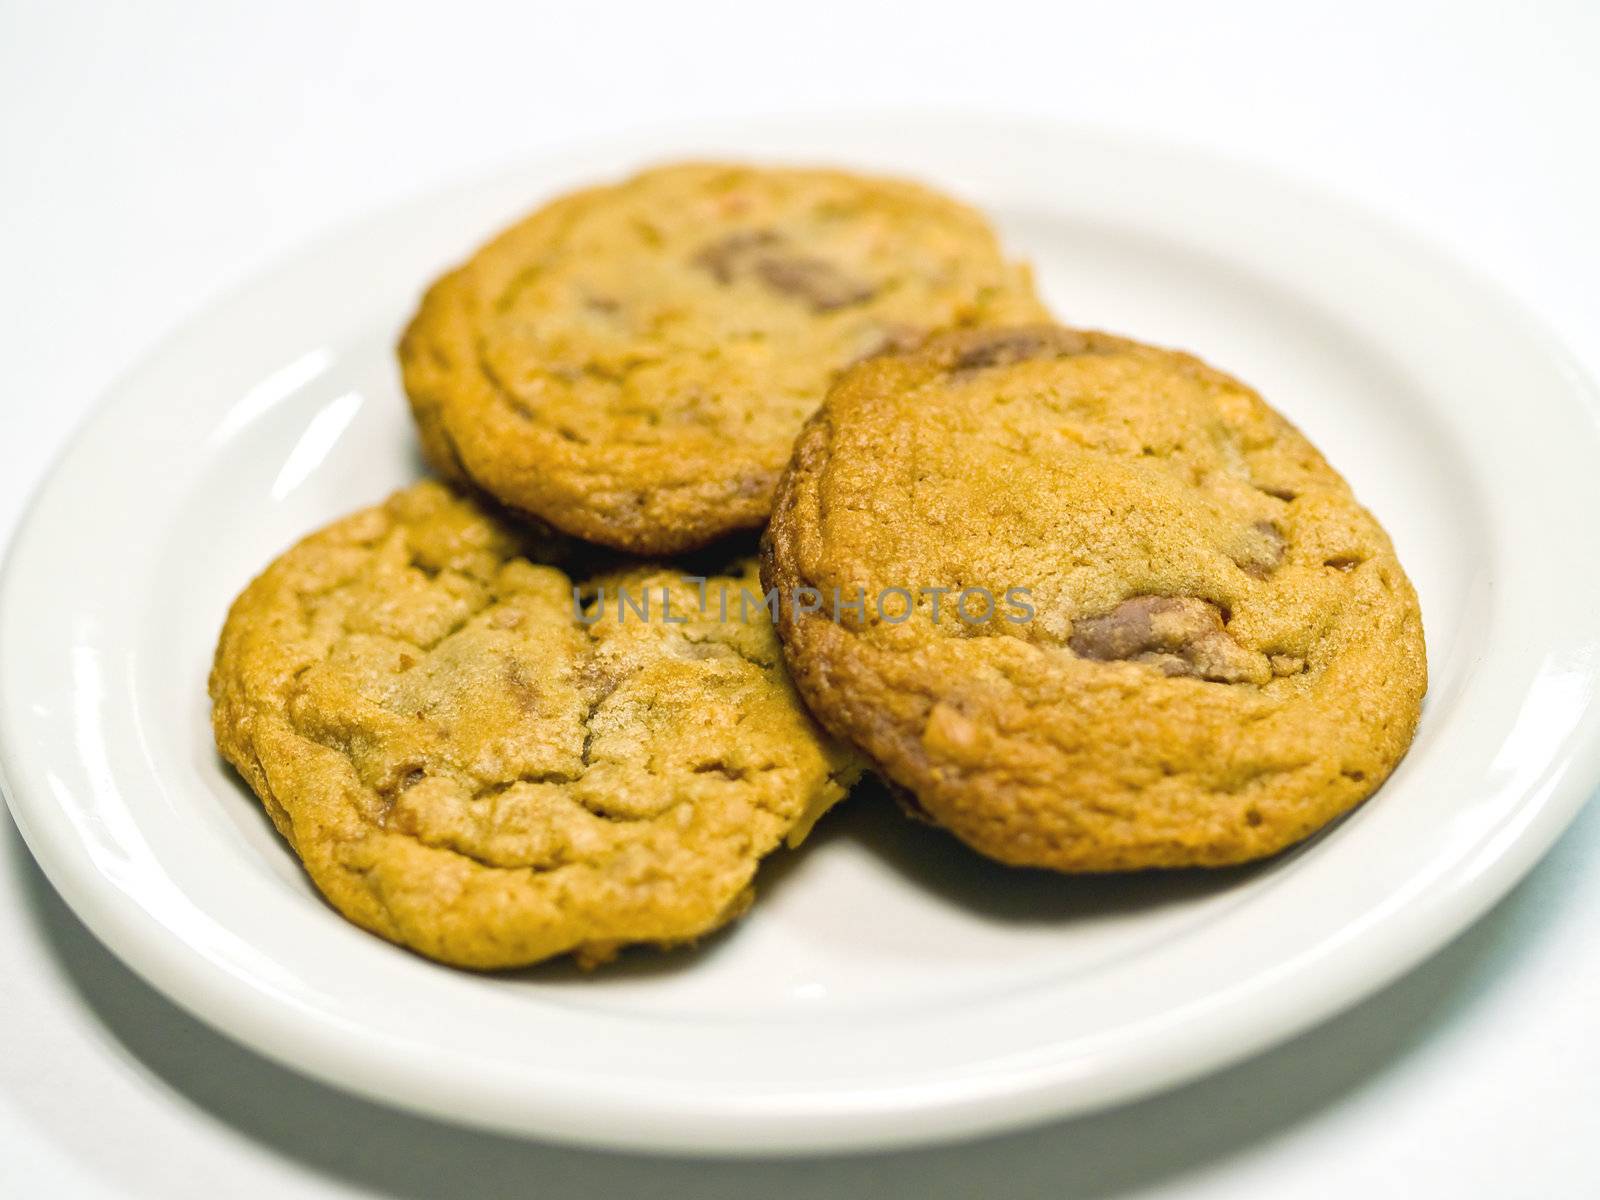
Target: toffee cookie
{"type": "Point", "coordinates": [473, 764]}
{"type": "Point", "coordinates": [1183, 640]}
{"type": "Point", "coordinates": [631, 363]}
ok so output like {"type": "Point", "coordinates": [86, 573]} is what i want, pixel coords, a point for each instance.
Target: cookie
{"type": "Point", "coordinates": [631, 363]}
{"type": "Point", "coordinates": [472, 764]}
{"type": "Point", "coordinates": [1091, 605]}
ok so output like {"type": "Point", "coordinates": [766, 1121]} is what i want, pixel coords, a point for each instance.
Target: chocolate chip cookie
{"type": "Point", "coordinates": [474, 764]}
{"type": "Point", "coordinates": [1090, 604]}
{"type": "Point", "coordinates": [631, 363]}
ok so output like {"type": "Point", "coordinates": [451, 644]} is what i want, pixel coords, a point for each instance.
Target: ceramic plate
{"type": "Point", "coordinates": [888, 987]}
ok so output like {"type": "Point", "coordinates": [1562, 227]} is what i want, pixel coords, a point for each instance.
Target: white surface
{"type": "Point", "coordinates": [153, 159]}
{"type": "Point", "coordinates": [890, 989]}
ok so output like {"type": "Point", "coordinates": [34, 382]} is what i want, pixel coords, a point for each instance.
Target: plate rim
{"type": "Point", "coordinates": [163, 959]}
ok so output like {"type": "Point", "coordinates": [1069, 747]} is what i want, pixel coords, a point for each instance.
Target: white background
{"type": "Point", "coordinates": [153, 156]}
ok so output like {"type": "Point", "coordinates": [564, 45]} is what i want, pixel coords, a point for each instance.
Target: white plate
{"type": "Point", "coordinates": [888, 987]}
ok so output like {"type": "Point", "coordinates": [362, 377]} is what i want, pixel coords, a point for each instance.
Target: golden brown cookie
{"type": "Point", "coordinates": [1199, 647]}
{"type": "Point", "coordinates": [631, 363]}
{"type": "Point", "coordinates": [474, 766]}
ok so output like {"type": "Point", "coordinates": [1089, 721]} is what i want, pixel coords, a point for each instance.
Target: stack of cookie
{"type": "Point", "coordinates": [1087, 604]}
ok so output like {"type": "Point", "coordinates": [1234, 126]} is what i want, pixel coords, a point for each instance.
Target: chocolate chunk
{"type": "Point", "coordinates": [894, 338]}
{"type": "Point", "coordinates": [763, 255]}
{"type": "Point", "coordinates": [818, 282]}
{"type": "Point", "coordinates": [731, 256]}
{"type": "Point", "coordinates": [1263, 551]}
{"type": "Point", "coordinates": [1019, 345]}
{"type": "Point", "coordinates": [1179, 635]}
